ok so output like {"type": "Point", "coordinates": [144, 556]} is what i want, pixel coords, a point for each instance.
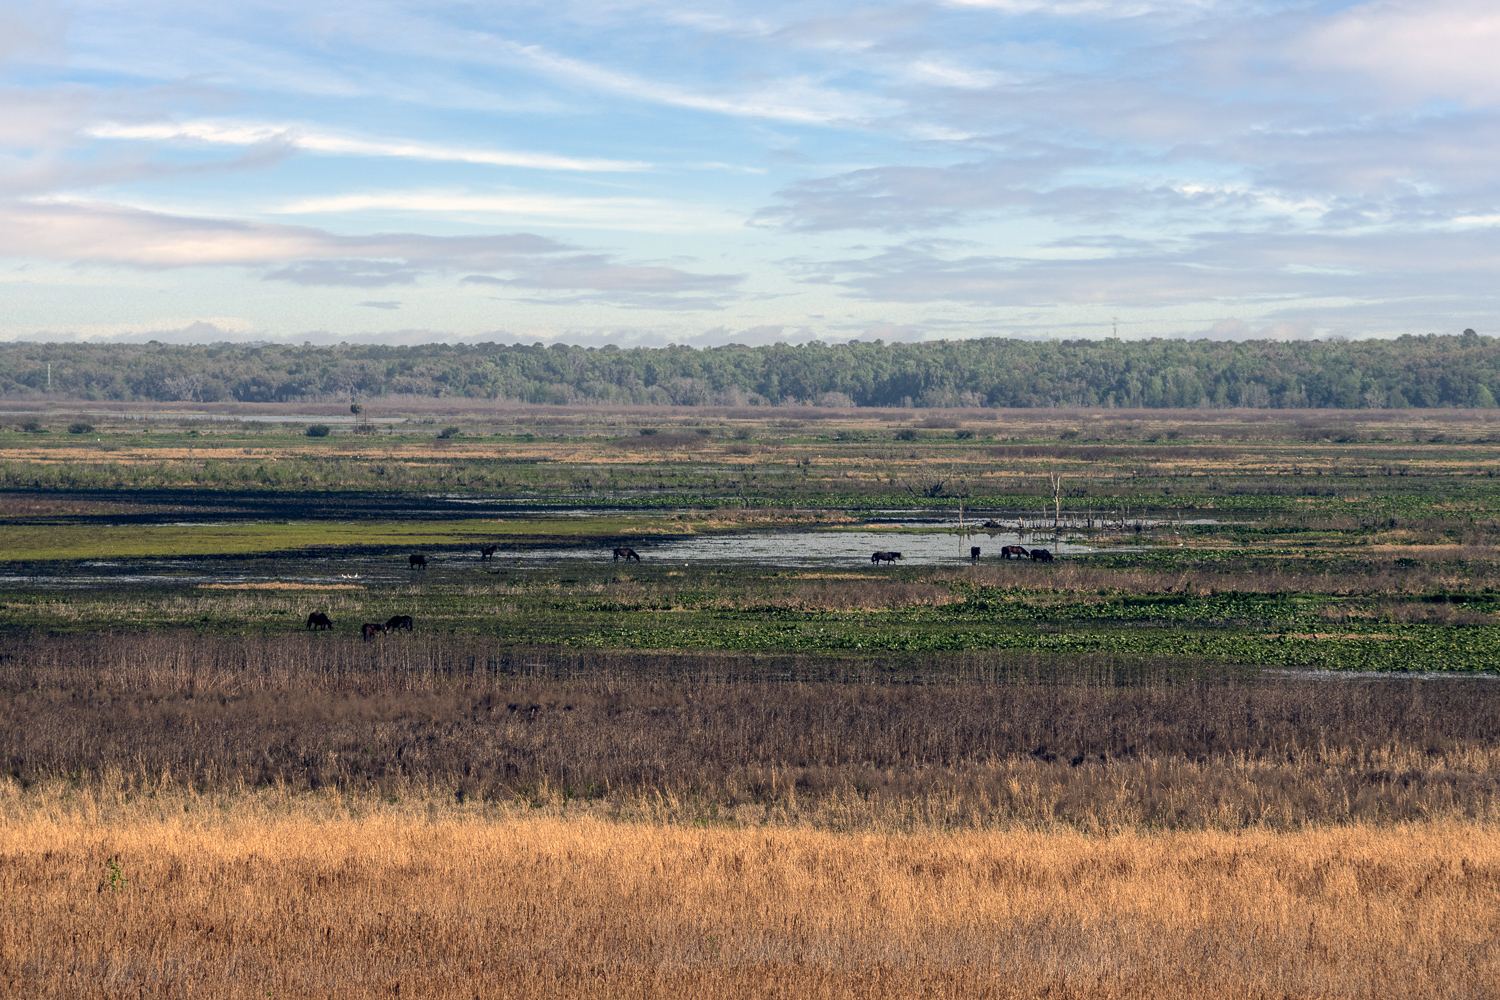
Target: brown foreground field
{"type": "Point", "coordinates": [270, 895]}
{"type": "Point", "coordinates": [187, 816]}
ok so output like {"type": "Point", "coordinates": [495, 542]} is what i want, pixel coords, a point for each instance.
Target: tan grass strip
{"type": "Point", "coordinates": [185, 897]}
{"type": "Point", "coordinates": [278, 585]}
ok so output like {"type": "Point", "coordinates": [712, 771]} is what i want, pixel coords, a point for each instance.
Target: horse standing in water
{"type": "Point", "coordinates": [890, 557]}
{"type": "Point", "coordinates": [1014, 552]}
{"type": "Point", "coordinates": [974, 554]}
{"type": "Point", "coordinates": [1041, 555]}
{"type": "Point", "coordinates": [626, 554]}
{"type": "Point", "coordinates": [485, 551]}
{"type": "Point", "coordinates": [416, 562]}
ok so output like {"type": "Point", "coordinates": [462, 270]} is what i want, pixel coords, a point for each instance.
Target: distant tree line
{"type": "Point", "coordinates": [1412, 371]}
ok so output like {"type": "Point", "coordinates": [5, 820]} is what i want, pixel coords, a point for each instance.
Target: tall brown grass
{"type": "Point", "coordinates": [181, 896]}
{"type": "Point", "coordinates": [737, 739]}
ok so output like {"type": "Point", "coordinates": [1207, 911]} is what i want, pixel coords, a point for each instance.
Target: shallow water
{"type": "Point", "coordinates": [822, 549]}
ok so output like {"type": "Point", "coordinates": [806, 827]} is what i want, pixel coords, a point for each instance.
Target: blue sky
{"type": "Point", "coordinates": [655, 172]}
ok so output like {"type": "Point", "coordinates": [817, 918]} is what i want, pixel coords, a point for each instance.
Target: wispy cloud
{"type": "Point", "coordinates": [800, 99]}
{"type": "Point", "coordinates": [311, 258]}
{"type": "Point", "coordinates": [638, 214]}
{"type": "Point", "coordinates": [308, 139]}
{"type": "Point", "coordinates": [598, 277]}
{"type": "Point", "coordinates": [110, 234]}
{"type": "Point", "coordinates": [1221, 267]}
{"type": "Point", "coordinates": [352, 273]}
{"type": "Point", "coordinates": [1412, 51]}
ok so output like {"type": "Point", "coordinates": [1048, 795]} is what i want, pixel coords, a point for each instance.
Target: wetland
{"type": "Point", "coordinates": [754, 706]}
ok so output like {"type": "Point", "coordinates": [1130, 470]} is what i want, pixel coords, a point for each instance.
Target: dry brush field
{"type": "Point", "coordinates": [182, 895]}
{"type": "Point", "coordinates": [236, 818]}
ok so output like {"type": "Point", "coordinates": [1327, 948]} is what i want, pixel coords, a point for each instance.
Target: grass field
{"type": "Point", "coordinates": [180, 896]}
{"type": "Point", "coordinates": [1126, 773]}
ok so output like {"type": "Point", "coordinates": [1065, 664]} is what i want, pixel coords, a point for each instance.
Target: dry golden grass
{"type": "Point", "coordinates": [315, 896]}
{"type": "Point", "coordinates": [279, 585]}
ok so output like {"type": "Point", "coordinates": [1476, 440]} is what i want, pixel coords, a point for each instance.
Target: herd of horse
{"type": "Point", "coordinates": [319, 621]}
{"type": "Point", "coordinates": [1009, 552]}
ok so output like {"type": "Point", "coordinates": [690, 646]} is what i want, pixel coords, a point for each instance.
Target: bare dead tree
{"type": "Point", "coordinates": [1056, 481]}
{"type": "Point", "coordinates": [932, 483]}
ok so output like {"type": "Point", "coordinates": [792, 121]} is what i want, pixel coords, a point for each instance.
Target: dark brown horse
{"type": "Point", "coordinates": [485, 551]}
{"type": "Point", "coordinates": [626, 554]}
{"type": "Point", "coordinates": [416, 562]}
{"type": "Point", "coordinates": [1041, 555]}
{"type": "Point", "coordinates": [370, 628]}
{"type": "Point", "coordinates": [890, 557]}
{"type": "Point", "coordinates": [318, 620]}
{"type": "Point", "coordinates": [1014, 552]}
{"type": "Point", "coordinates": [399, 622]}
{"type": "Point", "coordinates": [974, 554]}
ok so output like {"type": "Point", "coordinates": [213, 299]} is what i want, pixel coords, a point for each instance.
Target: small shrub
{"type": "Point", "coordinates": [963, 435]}
{"type": "Point", "coordinates": [80, 428]}
{"type": "Point", "coordinates": [317, 431]}
{"type": "Point", "coordinates": [647, 431]}
{"type": "Point", "coordinates": [32, 427]}
{"type": "Point", "coordinates": [906, 434]}
{"type": "Point", "coordinates": [1068, 435]}
{"type": "Point", "coordinates": [451, 431]}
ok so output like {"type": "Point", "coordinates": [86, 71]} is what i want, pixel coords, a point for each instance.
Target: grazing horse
{"type": "Point", "coordinates": [399, 622]}
{"type": "Point", "coordinates": [626, 554]}
{"type": "Point", "coordinates": [890, 557]}
{"type": "Point", "coordinates": [318, 620]}
{"type": "Point", "coordinates": [485, 551]}
{"type": "Point", "coordinates": [369, 629]}
{"type": "Point", "coordinates": [1041, 555]}
{"type": "Point", "coordinates": [1014, 552]}
{"type": "Point", "coordinates": [416, 562]}
{"type": "Point", "coordinates": [974, 554]}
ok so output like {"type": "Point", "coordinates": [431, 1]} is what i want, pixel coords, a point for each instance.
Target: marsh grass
{"type": "Point", "coordinates": [752, 740]}
{"type": "Point", "coordinates": [1164, 459]}
{"type": "Point", "coordinates": [113, 894]}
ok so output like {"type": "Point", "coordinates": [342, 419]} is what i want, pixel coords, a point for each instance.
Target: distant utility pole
{"type": "Point", "coordinates": [49, 376]}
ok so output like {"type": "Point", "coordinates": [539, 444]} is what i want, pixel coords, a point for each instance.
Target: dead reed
{"type": "Point", "coordinates": [309, 897]}
{"type": "Point", "coordinates": [729, 740]}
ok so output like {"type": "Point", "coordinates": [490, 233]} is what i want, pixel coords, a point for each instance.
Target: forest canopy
{"type": "Point", "coordinates": [1412, 371]}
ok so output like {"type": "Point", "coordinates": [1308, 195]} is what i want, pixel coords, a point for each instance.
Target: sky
{"type": "Point", "coordinates": [653, 172]}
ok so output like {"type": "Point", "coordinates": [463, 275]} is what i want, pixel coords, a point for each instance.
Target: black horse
{"type": "Point", "coordinates": [1014, 552]}
{"type": "Point", "coordinates": [399, 622]}
{"type": "Point", "coordinates": [318, 620]}
{"type": "Point", "coordinates": [626, 554]}
{"type": "Point", "coordinates": [370, 628]}
{"type": "Point", "coordinates": [1041, 555]}
{"type": "Point", "coordinates": [890, 557]}
{"type": "Point", "coordinates": [416, 562]}
{"type": "Point", "coordinates": [974, 554]}
{"type": "Point", "coordinates": [485, 551]}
